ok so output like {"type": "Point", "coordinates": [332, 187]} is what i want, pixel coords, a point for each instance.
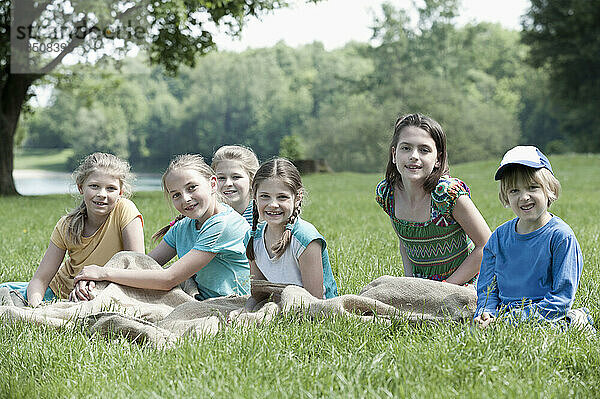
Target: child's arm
{"type": "Point", "coordinates": [163, 280]}
{"type": "Point", "coordinates": [487, 287]}
{"type": "Point", "coordinates": [311, 269]}
{"type": "Point", "coordinates": [162, 253]}
{"type": "Point", "coordinates": [566, 268]}
{"type": "Point", "coordinates": [133, 236]}
{"type": "Point", "coordinates": [466, 214]}
{"type": "Point", "coordinates": [44, 273]}
{"type": "Point", "coordinates": [255, 298]}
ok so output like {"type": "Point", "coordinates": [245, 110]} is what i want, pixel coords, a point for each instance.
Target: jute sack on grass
{"type": "Point", "coordinates": [160, 318]}
{"type": "Point", "coordinates": [155, 317]}
{"type": "Point", "coordinates": [113, 306]}
{"type": "Point", "coordinates": [383, 299]}
{"type": "Point", "coordinates": [419, 299]}
{"type": "Point", "coordinates": [151, 305]}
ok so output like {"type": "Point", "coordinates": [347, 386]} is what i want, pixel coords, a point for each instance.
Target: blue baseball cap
{"type": "Point", "coordinates": [523, 155]}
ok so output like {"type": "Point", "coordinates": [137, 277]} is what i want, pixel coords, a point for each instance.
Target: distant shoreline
{"type": "Point", "coordinates": [37, 174]}
{"type": "Point", "coordinates": [42, 182]}
{"type": "Point", "coordinates": [40, 174]}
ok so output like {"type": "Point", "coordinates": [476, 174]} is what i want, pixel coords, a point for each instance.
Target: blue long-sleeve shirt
{"type": "Point", "coordinates": [531, 275]}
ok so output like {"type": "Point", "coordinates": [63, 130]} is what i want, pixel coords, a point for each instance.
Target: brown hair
{"type": "Point", "coordinates": [98, 161]}
{"type": "Point", "coordinates": [439, 137]}
{"type": "Point", "coordinates": [244, 155]}
{"type": "Point", "coordinates": [184, 161]}
{"type": "Point", "coordinates": [515, 174]}
{"type": "Point", "coordinates": [284, 170]}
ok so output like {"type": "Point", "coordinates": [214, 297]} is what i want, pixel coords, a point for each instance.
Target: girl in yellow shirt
{"type": "Point", "coordinates": [103, 224]}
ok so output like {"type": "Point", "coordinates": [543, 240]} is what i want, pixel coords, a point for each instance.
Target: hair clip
{"type": "Point", "coordinates": [172, 222]}
{"type": "Point", "coordinates": [289, 226]}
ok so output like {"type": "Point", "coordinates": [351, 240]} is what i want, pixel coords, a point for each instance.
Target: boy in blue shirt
{"type": "Point", "coordinates": [531, 264]}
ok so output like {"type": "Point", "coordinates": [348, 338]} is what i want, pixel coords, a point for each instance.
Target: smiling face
{"type": "Point", "coordinates": [275, 202]}
{"type": "Point", "coordinates": [529, 202]}
{"type": "Point", "coordinates": [234, 183]}
{"type": "Point", "coordinates": [100, 191]}
{"type": "Point", "coordinates": [192, 194]}
{"type": "Point", "coordinates": [415, 155]}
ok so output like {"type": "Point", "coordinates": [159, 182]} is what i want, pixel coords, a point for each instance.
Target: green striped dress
{"type": "Point", "coordinates": [436, 247]}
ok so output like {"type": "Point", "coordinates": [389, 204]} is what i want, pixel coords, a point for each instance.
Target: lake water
{"type": "Point", "coordinates": [39, 182]}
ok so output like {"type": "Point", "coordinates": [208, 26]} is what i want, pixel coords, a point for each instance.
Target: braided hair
{"type": "Point", "coordinates": [284, 170]}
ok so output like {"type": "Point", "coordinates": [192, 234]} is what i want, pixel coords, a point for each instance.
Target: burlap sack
{"type": "Point", "coordinates": [161, 317]}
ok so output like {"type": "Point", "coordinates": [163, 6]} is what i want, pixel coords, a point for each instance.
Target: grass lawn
{"type": "Point", "coordinates": [46, 159]}
{"type": "Point", "coordinates": [322, 358]}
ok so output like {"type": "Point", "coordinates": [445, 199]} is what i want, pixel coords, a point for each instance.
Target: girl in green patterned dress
{"type": "Point", "coordinates": [441, 232]}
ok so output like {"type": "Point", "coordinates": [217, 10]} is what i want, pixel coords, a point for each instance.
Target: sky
{"type": "Point", "coordinates": [336, 22]}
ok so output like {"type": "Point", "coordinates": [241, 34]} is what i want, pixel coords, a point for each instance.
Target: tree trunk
{"type": "Point", "coordinates": [12, 98]}
{"type": "Point", "coordinates": [13, 92]}
{"type": "Point", "coordinates": [7, 184]}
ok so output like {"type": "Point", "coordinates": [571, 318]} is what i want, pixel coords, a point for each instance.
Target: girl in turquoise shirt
{"type": "Point", "coordinates": [207, 237]}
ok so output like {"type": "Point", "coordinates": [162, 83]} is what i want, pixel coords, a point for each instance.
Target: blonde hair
{"type": "Point", "coordinates": [185, 161]}
{"type": "Point", "coordinates": [284, 170]}
{"type": "Point", "coordinates": [515, 174]}
{"type": "Point", "coordinates": [108, 163]}
{"type": "Point", "coordinates": [244, 155]}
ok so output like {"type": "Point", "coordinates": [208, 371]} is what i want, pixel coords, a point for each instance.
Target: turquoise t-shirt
{"type": "Point", "coordinates": [305, 233]}
{"type": "Point", "coordinates": [248, 212]}
{"type": "Point", "coordinates": [222, 234]}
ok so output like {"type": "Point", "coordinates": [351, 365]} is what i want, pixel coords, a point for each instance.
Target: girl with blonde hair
{"type": "Point", "coordinates": [207, 237]}
{"type": "Point", "coordinates": [104, 223]}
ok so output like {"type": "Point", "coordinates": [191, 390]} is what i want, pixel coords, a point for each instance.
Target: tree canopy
{"type": "Point", "coordinates": [479, 81]}
{"type": "Point", "coordinates": [171, 32]}
{"type": "Point", "coordinates": [340, 104]}
{"type": "Point", "coordinates": [564, 38]}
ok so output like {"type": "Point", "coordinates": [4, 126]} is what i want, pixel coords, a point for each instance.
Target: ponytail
{"type": "Point", "coordinates": [75, 221]}
{"type": "Point", "coordinates": [250, 247]}
{"type": "Point", "coordinates": [161, 233]}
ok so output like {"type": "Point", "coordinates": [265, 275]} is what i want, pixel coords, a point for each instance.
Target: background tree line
{"type": "Point", "coordinates": [479, 81]}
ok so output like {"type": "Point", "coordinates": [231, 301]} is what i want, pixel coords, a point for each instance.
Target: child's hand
{"type": "Point", "coordinates": [82, 291]}
{"type": "Point", "coordinates": [34, 300]}
{"type": "Point", "coordinates": [484, 319]}
{"type": "Point", "coordinates": [91, 272]}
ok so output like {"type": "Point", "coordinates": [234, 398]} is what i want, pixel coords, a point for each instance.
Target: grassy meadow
{"type": "Point", "coordinates": [54, 160]}
{"type": "Point", "coordinates": [320, 358]}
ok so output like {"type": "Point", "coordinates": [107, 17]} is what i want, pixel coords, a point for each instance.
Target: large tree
{"type": "Point", "coordinates": [171, 32]}
{"type": "Point", "coordinates": [564, 37]}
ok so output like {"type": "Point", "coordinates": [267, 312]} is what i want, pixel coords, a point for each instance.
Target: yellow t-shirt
{"type": "Point", "coordinates": [94, 250]}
